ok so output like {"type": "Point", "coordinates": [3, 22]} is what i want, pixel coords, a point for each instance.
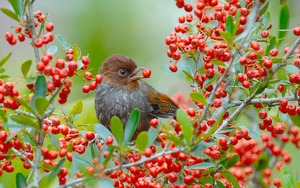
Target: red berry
{"type": "Point", "coordinates": [90, 135]}
{"type": "Point", "coordinates": [173, 67]}
{"type": "Point", "coordinates": [154, 122]}
{"type": "Point", "coordinates": [109, 140]}
{"type": "Point", "coordinates": [85, 60]}
{"type": "Point", "coordinates": [296, 31]}
{"type": "Point", "coordinates": [86, 89]}
{"type": "Point", "coordinates": [98, 78]}
{"type": "Point", "coordinates": [146, 73]}
{"type": "Point", "coordinates": [264, 34]}
{"type": "Point", "coordinates": [88, 75]}
{"type": "Point", "coordinates": [49, 27]}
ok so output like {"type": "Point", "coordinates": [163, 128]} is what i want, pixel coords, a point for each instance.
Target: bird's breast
{"type": "Point", "coordinates": [119, 101]}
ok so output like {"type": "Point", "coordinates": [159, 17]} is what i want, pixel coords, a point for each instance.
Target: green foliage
{"type": "Point", "coordinates": [26, 67]}
{"type": "Point", "coordinates": [284, 17]}
{"type": "Point", "coordinates": [198, 97]}
{"type": "Point", "coordinates": [142, 141]}
{"type": "Point", "coordinates": [131, 125]}
{"type": "Point", "coordinates": [56, 170]}
{"type": "Point", "coordinates": [21, 180]}
{"type": "Point", "coordinates": [116, 127]}
{"type": "Point", "coordinates": [63, 42]}
{"type": "Point", "coordinates": [187, 127]}
{"type": "Point", "coordinates": [287, 178]}
{"type": "Point", "coordinates": [5, 59]}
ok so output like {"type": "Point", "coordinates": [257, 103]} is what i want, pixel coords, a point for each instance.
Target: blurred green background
{"type": "Point", "coordinates": [136, 28]}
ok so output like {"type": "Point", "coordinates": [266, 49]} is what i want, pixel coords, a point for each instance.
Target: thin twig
{"type": "Point", "coordinates": [23, 157]}
{"type": "Point", "coordinates": [266, 101]}
{"type": "Point", "coordinates": [109, 170]}
{"type": "Point", "coordinates": [252, 18]}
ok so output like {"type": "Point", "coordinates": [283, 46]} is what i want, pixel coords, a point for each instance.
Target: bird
{"type": "Point", "coordinates": [122, 90]}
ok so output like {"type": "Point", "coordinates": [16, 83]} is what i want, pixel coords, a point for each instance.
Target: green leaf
{"type": "Point", "coordinates": [78, 158]}
{"type": "Point", "coordinates": [25, 67]}
{"type": "Point", "coordinates": [10, 14]}
{"type": "Point", "coordinates": [264, 9]}
{"type": "Point", "coordinates": [54, 140]}
{"type": "Point", "coordinates": [152, 136]}
{"type": "Point", "coordinates": [212, 80]}
{"type": "Point", "coordinates": [283, 23]}
{"type": "Point", "coordinates": [105, 182]}
{"type": "Point", "coordinates": [198, 97]}
{"type": "Point", "coordinates": [295, 119]}
{"type": "Point", "coordinates": [230, 25]}
{"type": "Point", "coordinates": [232, 161]}
{"type": "Point", "coordinates": [214, 127]}
{"type": "Point", "coordinates": [17, 6]}
{"type": "Point", "coordinates": [5, 59]}
{"type": "Point", "coordinates": [266, 21]}
{"type": "Point", "coordinates": [291, 69]}
{"type": "Point", "coordinates": [52, 50]}
{"type": "Point", "coordinates": [255, 87]}
{"type": "Point", "coordinates": [77, 52]}
{"type": "Point", "coordinates": [220, 184]}
{"type": "Point", "coordinates": [212, 24]}
{"type": "Point", "coordinates": [281, 74]}
{"type": "Point", "coordinates": [21, 180]}
{"type": "Point", "coordinates": [253, 133]}
{"type": "Point", "coordinates": [142, 140]}
{"type": "Point", "coordinates": [63, 42]}
{"type": "Point", "coordinates": [56, 170]}
{"type": "Point", "coordinates": [24, 120]}
{"type": "Point", "coordinates": [263, 162]}
{"type": "Point", "coordinates": [131, 125]}
{"type": "Point", "coordinates": [271, 45]}
{"type": "Point", "coordinates": [190, 76]}
{"type": "Point", "coordinates": [76, 109]}
{"type": "Point", "coordinates": [200, 166]}
{"type": "Point", "coordinates": [218, 62]}
{"type": "Point", "coordinates": [201, 146]}
{"type": "Point", "coordinates": [174, 139]}
{"type": "Point", "coordinates": [277, 59]}
{"type": "Point", "coordinates": [230, 177]}
{"type": "Point", "coordinates": [3, 116]}
{"type": "Point", "coordinates": [41, 105]}
{"type": "Point", "coordinates": [287, 177]}
{"type": "Point", "coordinates": [116, 127]}
{"type": "Point", "coordinates": [40, 90]}
{"type": "Point", "coordinates": [187, 127]}
{"type": "Point", "coordinates": [102, 131]}
{"type": "Point", "coordinates": [227, 36]}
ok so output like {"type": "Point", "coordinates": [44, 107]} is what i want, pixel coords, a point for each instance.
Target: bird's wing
{"type": "Point", "coordinates": [163, 106]}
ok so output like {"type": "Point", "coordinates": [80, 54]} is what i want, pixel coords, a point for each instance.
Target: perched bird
{"type": "Point", "coordinates": [122, 90]}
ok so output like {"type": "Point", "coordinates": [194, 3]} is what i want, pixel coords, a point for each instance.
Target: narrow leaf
{"type": "Point", "coordinates": [54, 140]}
{"type": "Point", "coordinates": [52, 50]}
{"type": "Point", "coordinates": [56, 170]}
{"type": "Point", "coordinates": [24, 120]}
{"type": "Point", "coordinates": [40, 90]}
{"type": "Point", "coordinates": [201, 166]}
{"type": "Point", "coordinates": [76, 109]}
{"type": "Point", "coordinates": [103, 132]}
{"type": "Point", "coordinates": [213, 24]}
{"type": "Point", "coordinates": [21, 180]}
{"type": "Point", "coordinates": [131, 125]}
{"type": "Point", "coordinates": [17, 7]}
{"type": "Point", "coordinates": [198, 97]}
{"type": "Point", "coordinates": [5, 59]}
{"type": "Point", "coordinates": [175, 139]}
{"type": "Point", "coordinates": [295, 119]}
{"type": "Point", "coordinates": [152, 136]}
{"type": "Point", "coordinates": [142, 140]}
{"type": "Point", "coordinates": [105, 182]}
{"type": "Point", "coordinates": [271, 45]}
{"type": "Point", "coordinates": [41, 104]}
{"type": "Point", "coordinates": [10, 14]}
{"type": "Point", "coordinates": [283, 23]}
{"type": "Point", "coordinates": [25, 67]}
{"type": "Point", "coordinates": [230, 25]}
{"type": "Point", "coordinates": [187, 127]}
{"type": "Point", "coordinates": [232, 161]}
{"type": "Point", "coordinates": [287, 177]}
{"type": "Point", "coordinates": [63, 42]}
{"type": "Point", "coordinates": [220, 184]}
{"type": "Point", "coordinates": [77, 52]}
{"type": "Point", "coordinates": [227, 36]}
{"type": "Point", "coordinates": [190, 76]}
{"type": "Point", "coordinates": [230, 177]}
{"type": "Point", "coordinates": [116, 127]}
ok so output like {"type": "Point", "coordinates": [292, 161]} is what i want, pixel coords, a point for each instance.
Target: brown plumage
{"type": "Point", "coordinates": [122, 90]}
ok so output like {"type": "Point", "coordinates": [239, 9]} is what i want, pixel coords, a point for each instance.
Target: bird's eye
{"type": "Point", "coordinates": [122, 72]}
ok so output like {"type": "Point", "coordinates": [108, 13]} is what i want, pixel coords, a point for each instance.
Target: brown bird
{"type": "Point", "coordinates": [122, 90]}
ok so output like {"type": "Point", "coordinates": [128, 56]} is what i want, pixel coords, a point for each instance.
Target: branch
{"type": "Point", "coordinates": [287, 55]}
{"type": "Point", "coordinates": [266, 101]}
{"type": "Point", "coordinates": [109, 170]}
{"type": "Point", "coordinates": [252, 19]}
{"type": "Point", "coordinates": [23, 157]}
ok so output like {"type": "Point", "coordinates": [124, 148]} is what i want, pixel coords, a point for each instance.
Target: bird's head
{"type": "Point", "coordinates": [120, 70]}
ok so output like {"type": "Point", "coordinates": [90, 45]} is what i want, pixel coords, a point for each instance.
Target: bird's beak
{"type": "Point", "coordinates": [134, 75]}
